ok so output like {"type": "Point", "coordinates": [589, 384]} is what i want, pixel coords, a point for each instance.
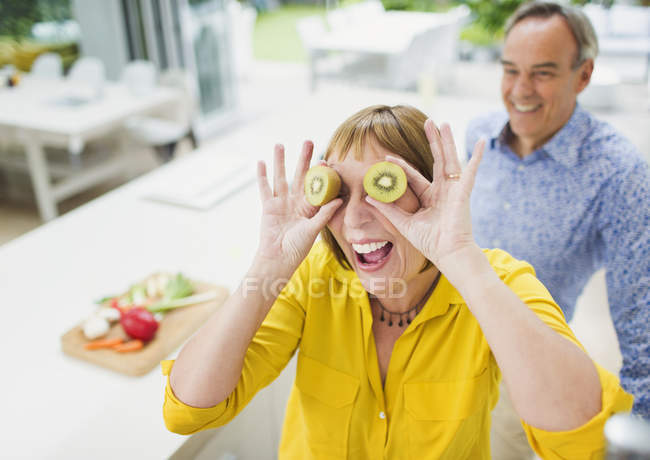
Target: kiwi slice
{"type": "Point", "coordinates": [385, 181]}
{"type": "Point", "coordinates": [322, 184]}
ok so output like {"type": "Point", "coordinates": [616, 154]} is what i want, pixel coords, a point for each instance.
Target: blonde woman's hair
{"type": "Point", "coordinates": [398, 129]}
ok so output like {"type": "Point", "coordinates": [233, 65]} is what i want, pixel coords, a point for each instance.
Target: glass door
{"type": "Point", "coordinates": [190, 34]}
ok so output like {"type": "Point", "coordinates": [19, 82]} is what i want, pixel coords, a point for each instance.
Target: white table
{"type": "Point", "coordinates": [58, 407]}
{"type": "Point", "coordinates": [398, 39]}
{"type": "Point", "coordinates": [53, 113]}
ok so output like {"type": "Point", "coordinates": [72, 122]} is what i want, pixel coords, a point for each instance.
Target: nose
{"type": "Point", "coordinates": [357, 212]}
{"type": "Point", "coordinates": [523, 86]}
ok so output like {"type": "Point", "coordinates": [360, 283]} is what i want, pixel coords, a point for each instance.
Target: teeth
{"type": "Point", "coordinates": [368, 247]}
{"type": "Point", "coordinates": [525, 108]}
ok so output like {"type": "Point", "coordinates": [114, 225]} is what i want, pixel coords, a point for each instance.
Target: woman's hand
{"type": "Point", "coordinates": [442, 226]}
{"type": "Point", "coordinates": [289, 223]}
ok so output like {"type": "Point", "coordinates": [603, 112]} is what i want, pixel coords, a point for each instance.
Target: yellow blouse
{"type": "Point", "coordinates": [441, 384]}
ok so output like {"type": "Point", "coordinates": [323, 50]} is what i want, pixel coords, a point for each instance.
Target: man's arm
{"type": "Point", "coordinates": [624, 224]}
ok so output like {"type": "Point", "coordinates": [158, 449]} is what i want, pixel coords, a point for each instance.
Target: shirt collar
{"type": "Point", "coordinates": [500, 131]}
{"type": "Point", "coordinates": [564, 146]}
{"type": "Point", "coordinates": [443, 296]}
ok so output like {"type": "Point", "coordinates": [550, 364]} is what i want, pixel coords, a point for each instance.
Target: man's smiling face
{"type": "Point", "coordinates": [540, 80]}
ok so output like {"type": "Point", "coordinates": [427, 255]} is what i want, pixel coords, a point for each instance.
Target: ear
{"type": "Point", "coordinates": [584, 75]}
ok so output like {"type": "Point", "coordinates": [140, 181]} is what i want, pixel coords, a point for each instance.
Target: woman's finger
{"type": "Point", "coordinates": [396, 215]}
{"type": "Point", "coordinates": [324, 214]}
{"type": "Point", "coordinates": [452, 164]}
{"type": "Point", "coordinates": [280, 187]}
{"type": "Point", "coordinates": [419, 184]}
{"type": "Point", "coordinates": [433, 136]}
{"type": "Point", "coordinates": [263, 182]}
{"type": "Point", "coordinates": [469, 174]}
{"type": "Point", "coordinates": [301, 168]}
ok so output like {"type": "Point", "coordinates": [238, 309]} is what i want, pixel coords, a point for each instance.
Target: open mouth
{"type": "Point", "coordinates": [521, 108]}
{"type": "Point", "coordinates": [372, 256]}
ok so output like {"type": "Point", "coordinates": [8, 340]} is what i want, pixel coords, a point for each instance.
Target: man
{"type": "Point", "coordinates": [562, 190]}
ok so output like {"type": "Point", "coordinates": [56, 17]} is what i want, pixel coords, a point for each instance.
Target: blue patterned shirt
{"type": "Point", "coordinates": [578, 203]}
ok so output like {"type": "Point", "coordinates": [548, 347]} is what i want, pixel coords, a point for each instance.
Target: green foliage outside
{"type": "Point", "coordinates": [490, 19]}
{"type": "Point", "coordinates": [18, 16]}
{"type": "Point", "coordinates": [16, 20]}
{"type": "Point", "coordinates": [276, 37]}
{"type": "Point", "coordinates": [433, 6]}
{"type": "Point", "coordinates": [478, 35]}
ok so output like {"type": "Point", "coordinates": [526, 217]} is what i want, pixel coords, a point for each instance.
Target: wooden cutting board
{"type": "Point", "coordinates": [176, 326]}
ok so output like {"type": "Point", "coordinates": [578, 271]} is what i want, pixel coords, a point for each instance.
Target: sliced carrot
{"type": "Point", "coordinates": [131, 345]}
{"type": "Point", "coordinates": [103, 343]}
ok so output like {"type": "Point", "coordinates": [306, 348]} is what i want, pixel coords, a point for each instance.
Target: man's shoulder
{"type": "Point", "coordinates": [487, 124]}
{"type": "Point", "coordinates": [606, 146]}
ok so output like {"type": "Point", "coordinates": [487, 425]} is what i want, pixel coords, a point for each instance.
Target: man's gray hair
{"type": "Point", "coordinates": [577, 21]}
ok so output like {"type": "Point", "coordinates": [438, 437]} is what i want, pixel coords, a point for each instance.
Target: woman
{"type": "Point", "coordinates": [403, 325]}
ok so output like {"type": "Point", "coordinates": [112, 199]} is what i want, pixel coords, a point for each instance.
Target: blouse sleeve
{"type": "Point", "coordinates": [268, 353]}
{"type": "Point", "coordinates": [588, 440]}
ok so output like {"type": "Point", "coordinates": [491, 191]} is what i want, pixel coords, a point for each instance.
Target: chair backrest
{"type": "Point", "coordinates": [340, 19]}
{"type": "Point", "coordinates": [629, 21]}
{"type": "Point", "coordinates": [365, 11]}
{"type": "Point", "coordinates": [310, 29]}
{"type": "Point", "coordinates": [47, 65]}
{"type": "Point", "coordinates": [89, 70]}
{"type": "Point", "coordinates": [599, 18]}
{"type": "Point", "coordinates": [140, 77]}
{"type": "Point", "coordinates": [187, 109]}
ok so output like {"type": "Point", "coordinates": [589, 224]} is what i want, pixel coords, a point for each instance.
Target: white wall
{"type": "Point", "coordinates": [103, 34]}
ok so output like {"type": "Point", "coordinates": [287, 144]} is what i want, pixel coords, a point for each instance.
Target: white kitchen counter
{"type": "Point", "coordinates": [55, 406]}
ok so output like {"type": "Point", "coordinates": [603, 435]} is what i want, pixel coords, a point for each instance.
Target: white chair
{"type": "Point", "coordinates": [88, 73]}
{"type": "Point", "coordinates": [601, 93]}
{"type": "Point", "coordinates": [368, 10]}
{"type": "Point", "coordinates": [339, 19]}
{"type": "Point", "coordinates": [47, 65]}
{"type": "Point", "coordinates": [629, 21]}
{"type": "Point", "coordinates": [311, 30]}
{"type": "Point", "coordinates": [355, 14]}
{"type": "Point", "coordinates": [140, 77]}
{"type": "Point", "coordinates": [163, 134]}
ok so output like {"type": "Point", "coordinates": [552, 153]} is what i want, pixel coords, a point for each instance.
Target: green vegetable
{"type": "Point", "coordinates": [104, 299]}
{"type": "Point", "coordinates": [184, 302]}
{"type": "Point", "coordinates": [178, 287]}
{"type": "Point", "coordinates": [138, 294]}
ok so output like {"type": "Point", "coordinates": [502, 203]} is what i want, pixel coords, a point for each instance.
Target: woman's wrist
{"type": "Point", "coordinates": [266, 278]}
{"type": "Point", "coordinates": [270, 268]}
{"type": "Point", "coordinates": [468, 270]}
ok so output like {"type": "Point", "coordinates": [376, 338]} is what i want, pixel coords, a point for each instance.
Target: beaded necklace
{"type": "Point", "coordinates": [405, 317]}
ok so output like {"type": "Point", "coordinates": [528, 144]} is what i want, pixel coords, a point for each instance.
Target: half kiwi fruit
{"type": "Point", "coordinates": [385, 181]}
{"type": "Point", "coordinates": [322, 184]}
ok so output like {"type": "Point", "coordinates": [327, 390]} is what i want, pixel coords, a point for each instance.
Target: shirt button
{"type": "Point", "coordinates": [496, 243]}
{"type": "Point", "coordinates": [506, 205]}
{"type": "Point", "coordinates": [382, 415]}
{"type": "Point", "coordinates": [520, 168]}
